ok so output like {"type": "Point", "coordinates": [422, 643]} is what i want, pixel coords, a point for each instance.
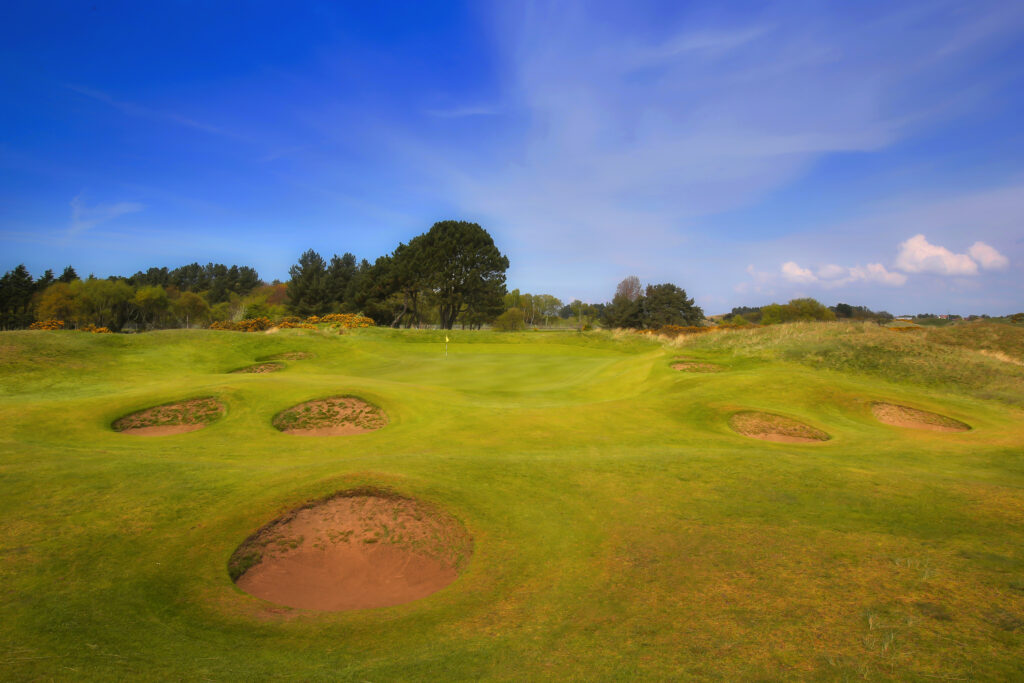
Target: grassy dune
{"type": "Point", "coordinates": [621, 528]}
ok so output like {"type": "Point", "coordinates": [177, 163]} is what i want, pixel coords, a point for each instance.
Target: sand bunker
{"type": "Point", "coordinates": [902, 416]}
{"type": "Point", "coordinates": [357, 550]}
{"type": "Point", "coordinates": [685, 365]}
{"type": "Point", "coordinates": [259, 368]}
{"type": "Point", "coordinates": [171, 418]}
{"type": "Point", "coordinates": [775, 428]}
{"type": "Point", "coordinates": [288, 355]}
{"type": "Point", "coordinates": [334, 416]}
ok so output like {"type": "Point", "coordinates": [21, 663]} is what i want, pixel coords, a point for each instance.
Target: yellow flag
{"type": "Point", "coordinates": [446, 339]}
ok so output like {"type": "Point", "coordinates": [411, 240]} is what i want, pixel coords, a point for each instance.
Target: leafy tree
{"type": "Point", "coordinates": [463, 267]}
{"type": "Point", "coordinates": [190, 308]}
{"type": "Point", "coordinates": [56, 303]}
{"type": "Point", "coordinates": [339, 274]}
{"type": "Point", "coordinates": [307, 288]}
{"type": "Point", "coordinates": [624, 310]}
{"type": "Point", "coordinates": [510, 320]}
{"type": "Point", "coordinates": [151, 303]}
{"type": "Point", "coordinates": [667, 304]}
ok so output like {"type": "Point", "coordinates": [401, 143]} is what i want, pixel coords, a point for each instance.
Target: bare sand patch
{"type": "Point", "coordinates": [259, 369]}
{"type": "Point", "coordinates": [288, 355]}
{"type": "Point", "coordinates": [687, 365]}
{"type": "Point", "coordinates": [903, 416]}
{"type": "Point", "coordinates": [357, 550]}
{"type": "Point", "coordinates": [171, 418]}
{"type": "Point", "coordinates": [335, 416]}
{"type": "Point", "coordinates": [769, 427]}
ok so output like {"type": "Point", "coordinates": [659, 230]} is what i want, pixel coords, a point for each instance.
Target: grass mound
{"type": "Point", "coordinates": [778, 428]}
{"type": "Point", "coordinates": [171, 418]}
{"type": "Point", "coordinates": [259, 369]}
{"type": "Point", "coordinates": [903, 416]}
{"type": "Point", "coordinates": [359, 549]}
{"type": "Point", "coordinates": [333, 416]}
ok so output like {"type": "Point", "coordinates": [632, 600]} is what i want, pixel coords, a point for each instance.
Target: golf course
{"type": "Point", "coordinates": [810, 501]}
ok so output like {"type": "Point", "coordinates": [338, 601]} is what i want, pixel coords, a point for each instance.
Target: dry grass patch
{"type": "Point", "coordinates": [259, 369]}
{"type": "Point", "coordinates": [687, 365]}
{"type": "Point", "coordinates": [171, 418]}
{"type": "Point", "coordinates": [333, 416]}
{"type": "Point", "coordinates": [288, 355]}
{"type": "Point", "coordinates": [769, 427]}
{"type": "Point", "coordinates": [902, 416]}
{"type": "Point", "coordinates": [359, 549]}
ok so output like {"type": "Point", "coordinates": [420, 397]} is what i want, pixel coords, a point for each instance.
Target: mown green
{"type": "Point", "coordinates": [621, 530]}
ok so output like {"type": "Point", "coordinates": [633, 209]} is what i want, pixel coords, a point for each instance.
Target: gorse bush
{"type": "Point", "coordinates": [47, 325]}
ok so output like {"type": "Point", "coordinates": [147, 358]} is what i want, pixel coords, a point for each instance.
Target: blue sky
{"type": "Point", "coordinates": [864, 152]}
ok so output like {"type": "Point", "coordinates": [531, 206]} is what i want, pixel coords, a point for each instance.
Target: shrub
{"type": "Point", "coordinates": [511, 320]}
{"type": "Point", "coordinates": [47, 325]}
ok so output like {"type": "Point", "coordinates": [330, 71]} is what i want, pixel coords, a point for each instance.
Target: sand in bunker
{"type": "Point", "coordinates": [171, 418]}
{"type": "Point", "coordinates": [259, 369]}
{"type": "Point", "coordinates": [354, 553]}
{"type": "Point", "coordinates": [334, 416]}
{"type": "Point", "coordinates": [768, 427]}
{"type": "Point", "coordinates": [694, 366]}
{"type": "Point", "coordinates": [902, 416]}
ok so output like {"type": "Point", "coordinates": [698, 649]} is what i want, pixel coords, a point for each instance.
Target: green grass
{"type": "Point", "coordinates": [621, 529]}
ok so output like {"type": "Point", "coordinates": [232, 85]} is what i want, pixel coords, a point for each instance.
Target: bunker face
{"type": "Point", "coordinates": [770, 427]}
{"type": "Point", "coordinates": [171, 418]}
{"type": "Point", "coordinates": [902, 416]}
{"type": "Point", "coordinates": [260, 368]}
{"type": "Point", "coordinates": [288, 355]}
{"type": "Point", "coordinates": [334, 416]}
{"type": "Point", "coordinates": [352, 552]}
{"type": "Point", "coordinates": [684, 365]}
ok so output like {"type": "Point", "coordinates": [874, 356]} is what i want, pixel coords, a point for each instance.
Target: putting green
{"type": "Point", "coordinates": [620, 528]}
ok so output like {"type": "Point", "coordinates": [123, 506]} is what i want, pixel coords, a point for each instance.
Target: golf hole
{"type": "Point", "coordinates": [769, 427]}
{"type": "Point", "coordinates": [356, 550]}
{"type": "Point", "coordinates": [334, 416]}
{"type": "Point", "coordinates": [171, 418]}
{"type": "Point", "coordinates": [903, 416]}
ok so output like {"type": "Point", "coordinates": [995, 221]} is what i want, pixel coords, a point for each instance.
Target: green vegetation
{"type": "Point", "coordinates": [621, 529]}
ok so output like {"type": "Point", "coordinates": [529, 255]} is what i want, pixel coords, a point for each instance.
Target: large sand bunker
{"type": "Point", "coordinates": [770, 427]}
{"type": "Point", "coordinates": [902, 416]}
{"type": "Point", "coordinates": [333, 416]}
{"type": "Point", "coordinates": [171, 418]}
{"type": "Point", "coordinates": [357, 550]}
{"type": "Point", "coordinates": [259, 369]}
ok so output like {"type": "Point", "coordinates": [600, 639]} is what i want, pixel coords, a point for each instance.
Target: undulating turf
{"type": "Point", "coordinates": [621, 529]}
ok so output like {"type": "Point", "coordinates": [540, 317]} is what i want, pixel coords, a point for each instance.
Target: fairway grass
{"type": "Point", "coordinates": [620, 528]}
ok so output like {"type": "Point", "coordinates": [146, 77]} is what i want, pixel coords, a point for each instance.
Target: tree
{"type": "Point", "coordinates": [629, 289]}
{"type": "Point", "coordinates": [16, 290]}
{"type": "Point", "coordinates": [307, 289]}
{"type": "Point", "coordinates": [624, 310]}
{"type": "Point", "coordinates": [190, 308]}
{"type": "Point", "coordinates": [56, 303]}
{"type": "Point", "coordinates": [510, 320]}
{"type": "Point", "coordinates": [69, 275]}
{"type": "Point", "coordinates": [463, 267]}
{"type": "Point", "coordinates": [152, 303]}
{"type": "Point", "coordinates": [667, 304]}
{"type": "Point", "coordinates": [339, 274]}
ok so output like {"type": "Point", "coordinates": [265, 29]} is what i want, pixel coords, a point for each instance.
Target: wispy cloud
{"type": "Point", "coordinates": [463, 112]}
{"type": "Point", "coordinates": [133, 109]}
{"type": "Point", "coordinates": [85, 217]}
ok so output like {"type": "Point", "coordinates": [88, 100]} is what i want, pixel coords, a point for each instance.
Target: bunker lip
{"type": "Point", "coordinates": [688, 365]}
{"type": "Point", "coordinates": [331, 416]}
{"type": "Point", "coordinates": [171, 418]}
{"type": "Point", "coordinates": [914, 418]}
{"type": "Point", "coordinates": [259, 369]}
{"type": "Point", "coordinates": [359, 549]}
{"type": "Point", "coordinates": [286, 355]}
{"type": "Point", "coordinates": [778, 428]}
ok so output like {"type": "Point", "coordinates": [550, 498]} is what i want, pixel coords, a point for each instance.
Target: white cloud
{"type": "Point", "coordinates": [794, 273]}
{"type": "Point", "coordinates": [85, 217]}
{"type": "Point", "coordinates": [831, 276]}
{"type": "Point", "coordinates": [917, 255]}
{"type": "Point", "coordinates": [987, 257]}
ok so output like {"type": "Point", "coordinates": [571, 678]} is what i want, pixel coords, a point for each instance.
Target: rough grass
{"type": "Point", "coordinates": [621, 529]}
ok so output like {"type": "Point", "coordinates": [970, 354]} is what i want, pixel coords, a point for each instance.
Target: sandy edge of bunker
{"type": "Point", "coordinates": [915, 418]}
{"type": "Point", "coordinates": [357, 549]}
{"type": "Point", "coordinates": [779, 428]}
{"type": "Point", "coordinates": [176, 417]}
